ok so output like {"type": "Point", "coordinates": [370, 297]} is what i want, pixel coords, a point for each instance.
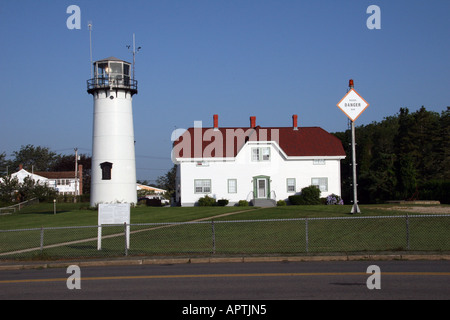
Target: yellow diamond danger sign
{"type": "Point", "coordinates": [352, 104]}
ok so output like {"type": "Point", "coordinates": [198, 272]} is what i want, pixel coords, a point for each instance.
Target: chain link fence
{"type": "Point", "coordinates": [243, 237]}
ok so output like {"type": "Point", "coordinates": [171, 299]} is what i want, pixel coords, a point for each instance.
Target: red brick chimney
{"type": "Point", "coordinates": [216, 122]}
{"type": "Point", "coordinates": [80, 177]}
{"type": "Point", "coordinates": [295, 122]}
{"type": "Point", "coordinates": [252, 122]}
{"type": "Point", "coordinates": [20, 167]}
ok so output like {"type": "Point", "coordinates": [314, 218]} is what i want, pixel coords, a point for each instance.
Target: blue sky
{"type": "Point", "coordinates": [235, 58]}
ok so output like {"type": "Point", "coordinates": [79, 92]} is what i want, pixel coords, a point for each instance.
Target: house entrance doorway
{"type": "Point", "coordinates": [261, 187]}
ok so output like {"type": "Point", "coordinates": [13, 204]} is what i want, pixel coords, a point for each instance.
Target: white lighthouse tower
{"type": "Point", "coordinates": [113, 176]}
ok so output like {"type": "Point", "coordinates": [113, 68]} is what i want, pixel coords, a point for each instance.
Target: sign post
{"type": "Point", "coordinates": [113, 214]}
{"type": "Point", "coordinates": [353, 105]}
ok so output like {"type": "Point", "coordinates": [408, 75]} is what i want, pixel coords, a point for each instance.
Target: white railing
{"type": "Point", "coordinates": [20, 205]}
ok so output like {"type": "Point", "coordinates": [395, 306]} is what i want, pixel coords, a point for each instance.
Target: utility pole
{"type": "Point", "coordinates": [76, 175]}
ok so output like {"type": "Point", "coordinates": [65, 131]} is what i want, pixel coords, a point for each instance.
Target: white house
{"type": "Point", "coordinates": [22, 174]}
{"type": "Point", "coordinates": [64, 182]}
{"type": "Point", "coordinates": [257, 164]}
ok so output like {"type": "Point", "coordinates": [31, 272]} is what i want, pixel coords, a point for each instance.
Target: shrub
{"type": "Point", "coordinates": [281, 203]}
{"type": "Point", "coordinates": [308, 195]}
{"type": "Point", "coordinates": [222, 202]}
{"type": "Point", "coordinates": [206, 201]}
{"type": "Point", "coordinates": [334, 199]}
{"type": "Point", "coordinates": [311, 195]}
{"type": "Point", "coordinates": [295, 200]}
{"type": "Point", "coordinates": [435, 190]}
{"type": "Point", "coordinates": [243, 203]}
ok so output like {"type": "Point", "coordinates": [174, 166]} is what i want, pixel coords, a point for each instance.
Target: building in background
{"type": "Point", "coordinates": [150, 189]}
{"type": "Point", "coordinates": [258, 164]}
{"type": "Point", "coordinates": [64, 182]}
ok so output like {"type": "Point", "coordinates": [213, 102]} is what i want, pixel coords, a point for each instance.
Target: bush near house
{"type": "Point", "coordinates": [206, 201]}
{"type": "Point", "coordinates": [295, 200]}
{"type": "Point", "coordinates": [243, 203]}
{"type": "Point", "coordinates": [222, 202]}
{"type": "Point", "coordinates": [334, 199]}
{"type": "Point", "coordinates": [308, 196]}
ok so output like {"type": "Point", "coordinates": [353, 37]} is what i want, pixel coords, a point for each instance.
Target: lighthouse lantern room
{"type": "Point", "coordinates": [113, 176]}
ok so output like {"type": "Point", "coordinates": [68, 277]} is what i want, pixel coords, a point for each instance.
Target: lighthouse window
{"type": "Point", "coordinates": [106, 170]}
{"type": "Point", "coordinates": [126, 69]}
{"type": "Point", "coordinates": [102, 70]}
{"type": "Point", "coordinates": [126, 74]}
{"type": "Point", "coordinates": [116, 68]}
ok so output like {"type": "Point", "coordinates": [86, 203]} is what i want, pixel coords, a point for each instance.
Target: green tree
{"type": "Point", "coordinates": [444, 132]}
{"type": "Point", "coordinates": [34, 158]}
{"type": "Point", "coordinates": [8, 189]}
{"type": "Point", "coordinates": [426, 151]}
{"type": "Point", "coordinates": [3, 164]}
{"type": "Point", "coordinates": [168, 182]}
{"type": "Point", "coordinates": [398, 156]}
{"type": "Point", "coordinates": [405, 152]}
{"type": "Point", "coordinates": [11, 190]}
{"type": "Point", "coordinates": [377, 179]}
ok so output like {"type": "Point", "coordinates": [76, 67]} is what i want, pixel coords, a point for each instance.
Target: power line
{"type": "Point", "coordinates": [153, 169]}
{"type": "Point", "coordinates": [152, 157]}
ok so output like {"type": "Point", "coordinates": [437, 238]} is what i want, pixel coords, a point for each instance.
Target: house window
{"type": "Point", "coordinates": [202, 185]}
{"type": "Point", "coordinates": [62, 182]}
{"type": "Point", "coordinates": [322, 183]}
{"type": "Point", "coordinates": [261, 154]}
{"type": "Point", "coordinates": [290, 182]}
{"type": "Point", "coordinates": [232, 185]}
{"type": "Point", "coordinates": [106, 170]}
{"type": "Point", "coordinates": [319, 161]}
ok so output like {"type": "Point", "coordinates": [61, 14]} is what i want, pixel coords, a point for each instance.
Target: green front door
{"type": "Point", "coordinates": [261, 187]}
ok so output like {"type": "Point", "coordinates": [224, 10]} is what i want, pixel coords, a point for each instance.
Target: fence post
{"type": "Point", "coordinates": [126, 238]}
{"type": "Point", "coordinates": [42, 239]}
{"type": "Point", "coordinates": [306, 235]}
{"type": "Point", "coordinates": [407, 231]}
{"type": "Point", "coordinates": [213, 237]}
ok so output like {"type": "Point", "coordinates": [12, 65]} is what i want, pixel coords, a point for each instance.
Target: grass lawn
{"type": "Point", "coordinates": [251, 237]}
{"type": "Point", "coordinates": [77, 214]}
{"type": "Point", "coordinates": [70, 214]}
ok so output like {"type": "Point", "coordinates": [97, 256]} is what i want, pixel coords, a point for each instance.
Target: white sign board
{"type": "Point", "coordinates": [352, 104]}
{"type": "Point", "coordinates": [117, 213]}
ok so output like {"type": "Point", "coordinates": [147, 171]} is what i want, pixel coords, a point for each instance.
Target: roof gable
{"type": "Point", "coordinates": [22, 174]}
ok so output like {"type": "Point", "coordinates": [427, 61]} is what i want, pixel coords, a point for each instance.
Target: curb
{"type": "Point", "coordinates": [170, 261]}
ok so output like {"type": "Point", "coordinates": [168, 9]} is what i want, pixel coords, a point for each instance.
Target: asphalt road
{"type": "Point", "coordinates": [190, 284]}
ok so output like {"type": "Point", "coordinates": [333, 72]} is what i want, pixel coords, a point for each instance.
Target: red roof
{"type": "Point", "coordinates": [304, 142]}
{"type": "Point", "coordinates": [57, 174]}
